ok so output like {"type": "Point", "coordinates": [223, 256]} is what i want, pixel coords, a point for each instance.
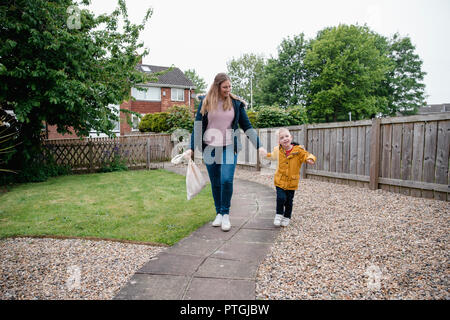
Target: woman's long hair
{"type": "Point", "coordinates": [212, 97]}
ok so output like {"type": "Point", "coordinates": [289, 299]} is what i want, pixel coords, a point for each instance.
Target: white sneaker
{"type": "Point", "coordinates": [226, 224]}
{"type": "Point", "coordinates": [285, 222]}
{"type": "Point", "coordinates": [277, 220]}
{"type": "Point", "coordinates": [218, 221]}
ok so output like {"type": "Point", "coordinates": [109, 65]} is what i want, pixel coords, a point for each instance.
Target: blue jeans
{"type": "Point", "coordinates": [221, 164]}
{"type": "Point", "coordinates": [285, 198]}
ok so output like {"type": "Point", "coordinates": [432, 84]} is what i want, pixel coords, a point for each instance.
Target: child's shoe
{"type": "Point", "coordinates": [218, 221]}
{"type": "Point", "coordinates": [277, 220]}
{"type": "Point", "coordinates": [285, 222]}
{"type": "Point", "coordinates": [226, 224]}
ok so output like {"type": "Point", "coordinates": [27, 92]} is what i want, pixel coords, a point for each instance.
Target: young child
{"type": "Point", "coordinates": [290, 158]}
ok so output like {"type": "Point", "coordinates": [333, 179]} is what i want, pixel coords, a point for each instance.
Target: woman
{"type": "Point", "coordinates": [216, 132]}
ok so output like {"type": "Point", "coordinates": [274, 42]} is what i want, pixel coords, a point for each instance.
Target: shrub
{"type": "Point", "coordinates": [270, 117]}
{"type": "Point", "coordinates": [180, 117]}
{"type": "Point", "coordinates": [160, 122]}
{"type": "Point", "coordinates": [38, 170]}
{"type": "Point", "coordinates": [118, 162]}
{"type": "Point", "coordinates": [154, 122]}
{"type": "Point", "coordinates": [252, 116]}
{"type": "Point", "coordinates": [146, 123]}
{"type": "Point", "coordinates": [176, 117]}
{"type": "Point", "coordinates": [297, 115]}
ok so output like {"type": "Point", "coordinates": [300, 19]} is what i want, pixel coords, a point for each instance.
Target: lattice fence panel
{"type": "Point", "coordinates": [91, 154]}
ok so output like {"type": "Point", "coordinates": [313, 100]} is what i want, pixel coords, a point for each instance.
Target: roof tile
{"type": "Point", "coordinates": [174, 77]}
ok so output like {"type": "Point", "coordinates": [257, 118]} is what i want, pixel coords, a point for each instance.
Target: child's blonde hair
{"type": "Point", "coordinates": [277, 133]}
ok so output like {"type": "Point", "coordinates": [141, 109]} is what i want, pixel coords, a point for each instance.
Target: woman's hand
{"type": "Point", "coordinates": [262, 152]}
{"type": "Point", "coordinates": [188, 154]}
{"type": "Point", "coordinates": [310, 161]}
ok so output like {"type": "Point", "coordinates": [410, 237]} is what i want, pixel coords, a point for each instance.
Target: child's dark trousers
{"type": "Point", "coordinates": [285, 199]}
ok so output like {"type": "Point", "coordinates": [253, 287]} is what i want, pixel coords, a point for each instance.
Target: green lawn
{"type": "Point", "coordinates": [147, 206]}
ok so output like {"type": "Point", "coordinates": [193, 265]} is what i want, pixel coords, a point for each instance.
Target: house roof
{"type": "Point", "coordinates": [174, 78]}
{"type": "Point", "coordinates": [434, 108]}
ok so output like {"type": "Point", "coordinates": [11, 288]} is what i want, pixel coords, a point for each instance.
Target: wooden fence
{"type": "Point", "coordinates": [408, 155]}
{"type": "Point", "coordinates": [90, 154]}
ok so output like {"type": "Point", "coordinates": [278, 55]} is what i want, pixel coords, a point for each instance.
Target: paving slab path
{"type": "Point", "coordinates": [211, 264]}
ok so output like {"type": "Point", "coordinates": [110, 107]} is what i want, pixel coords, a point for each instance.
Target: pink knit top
{"type": "Point", "coordinates": [219, 132]}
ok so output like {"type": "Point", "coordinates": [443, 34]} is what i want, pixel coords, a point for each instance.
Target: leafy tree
{"type": "Point", "coordinates": [200, 85]}
{"type": "Point", "coordinates": [8, 137]}
{"type": "Point", "coordinates": [246, 73]}
{"type": "Point", "coordinates": [63, 66]}
{"type": "Point", "coordinates": [345, 73]}
{"type": "Point", "coordinates": [297, 115]}
{"type": "Point", "coordinates": [199, 82]}
{"type": "Point", "coordinates": [284, 76]}
{"type": "Point", "coordinates": [404, 87]}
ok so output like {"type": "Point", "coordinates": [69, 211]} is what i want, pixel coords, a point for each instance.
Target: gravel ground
{"type": "Point", "coordinates": [348, 242]}
{"type": "Point", "coordinates": [343, 243]}
{"type": "Point", "coordinates": [54, 269]}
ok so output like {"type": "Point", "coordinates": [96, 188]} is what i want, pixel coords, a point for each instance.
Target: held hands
{"type": "Point", "coordinates": [188, 154]}
{"type": "Point", "coordinates": [262, 152]}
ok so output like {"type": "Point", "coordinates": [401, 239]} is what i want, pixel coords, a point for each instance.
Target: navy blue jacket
{"type": "Point", "coordinates": [240, 119]}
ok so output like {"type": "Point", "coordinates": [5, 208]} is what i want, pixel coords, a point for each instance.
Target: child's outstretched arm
{"type": "Point", "coordinates": [309, 158]}
{"type": "Point", "coordinates": [274, 154]}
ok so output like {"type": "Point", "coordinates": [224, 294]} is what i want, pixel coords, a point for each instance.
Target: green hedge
{"type": "Point", "coordinates": [154, 122]}
{"type": "Point", "coordinates": [270, 117]}
{"type": "Point", "coordinates": [176, 117]}
{"type": "Point", "coordinates": [181, 117]}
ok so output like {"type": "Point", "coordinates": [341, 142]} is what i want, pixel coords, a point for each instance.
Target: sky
{"type": "Point", "coordinates": [204, 35]}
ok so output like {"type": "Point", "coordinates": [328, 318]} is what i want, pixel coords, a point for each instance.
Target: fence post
{"type": "Point", "coordinates": [90, 156]}
{"type": "Point", "coordinates": [258, 160]}
{"type": "Point", "coordinates": [305, 144]}
{"type": "Point", "coordinates": [148, 153]}
{"type": "Point", "coordinates": [374, 154]}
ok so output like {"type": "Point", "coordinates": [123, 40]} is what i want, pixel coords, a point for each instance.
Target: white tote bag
{"type": "Point", "coordinates": [195, 181]}
{"type": "Point", "coordinates": [178, 159]}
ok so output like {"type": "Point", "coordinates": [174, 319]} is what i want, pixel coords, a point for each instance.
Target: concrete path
{"type": "Point", "coordinates": [211, 264]}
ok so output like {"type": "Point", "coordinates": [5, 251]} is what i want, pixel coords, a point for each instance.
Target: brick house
{"type": "Point", "coordinates": [172, 88]}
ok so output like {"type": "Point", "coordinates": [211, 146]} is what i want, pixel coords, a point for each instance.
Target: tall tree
{"type": "Point", "coordinates": [64, 66]}
{"type": "Point", "coordinates": [246, 73]}
{"type": "Point", "coordinates": [284, 76]}
{"type": "Point", "coordinates": [404, 89]}
{"type": "Point", "coordinates": [345, 73]}
{"type": "Point", "coordinates": [199, 82]}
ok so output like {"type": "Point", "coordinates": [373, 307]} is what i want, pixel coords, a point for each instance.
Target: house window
{"type": "Point", "coordinates": [149, 94]}
{"type": "Point", "coordinates": [115, 109]}
{"type": "Point", "coordinates": [177, 94]}
{"type": "Point", "coordinates": [135, 120]}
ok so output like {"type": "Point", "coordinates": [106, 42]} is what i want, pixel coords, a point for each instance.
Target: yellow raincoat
{"type": "Point", "coordinates": [287, 175]}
